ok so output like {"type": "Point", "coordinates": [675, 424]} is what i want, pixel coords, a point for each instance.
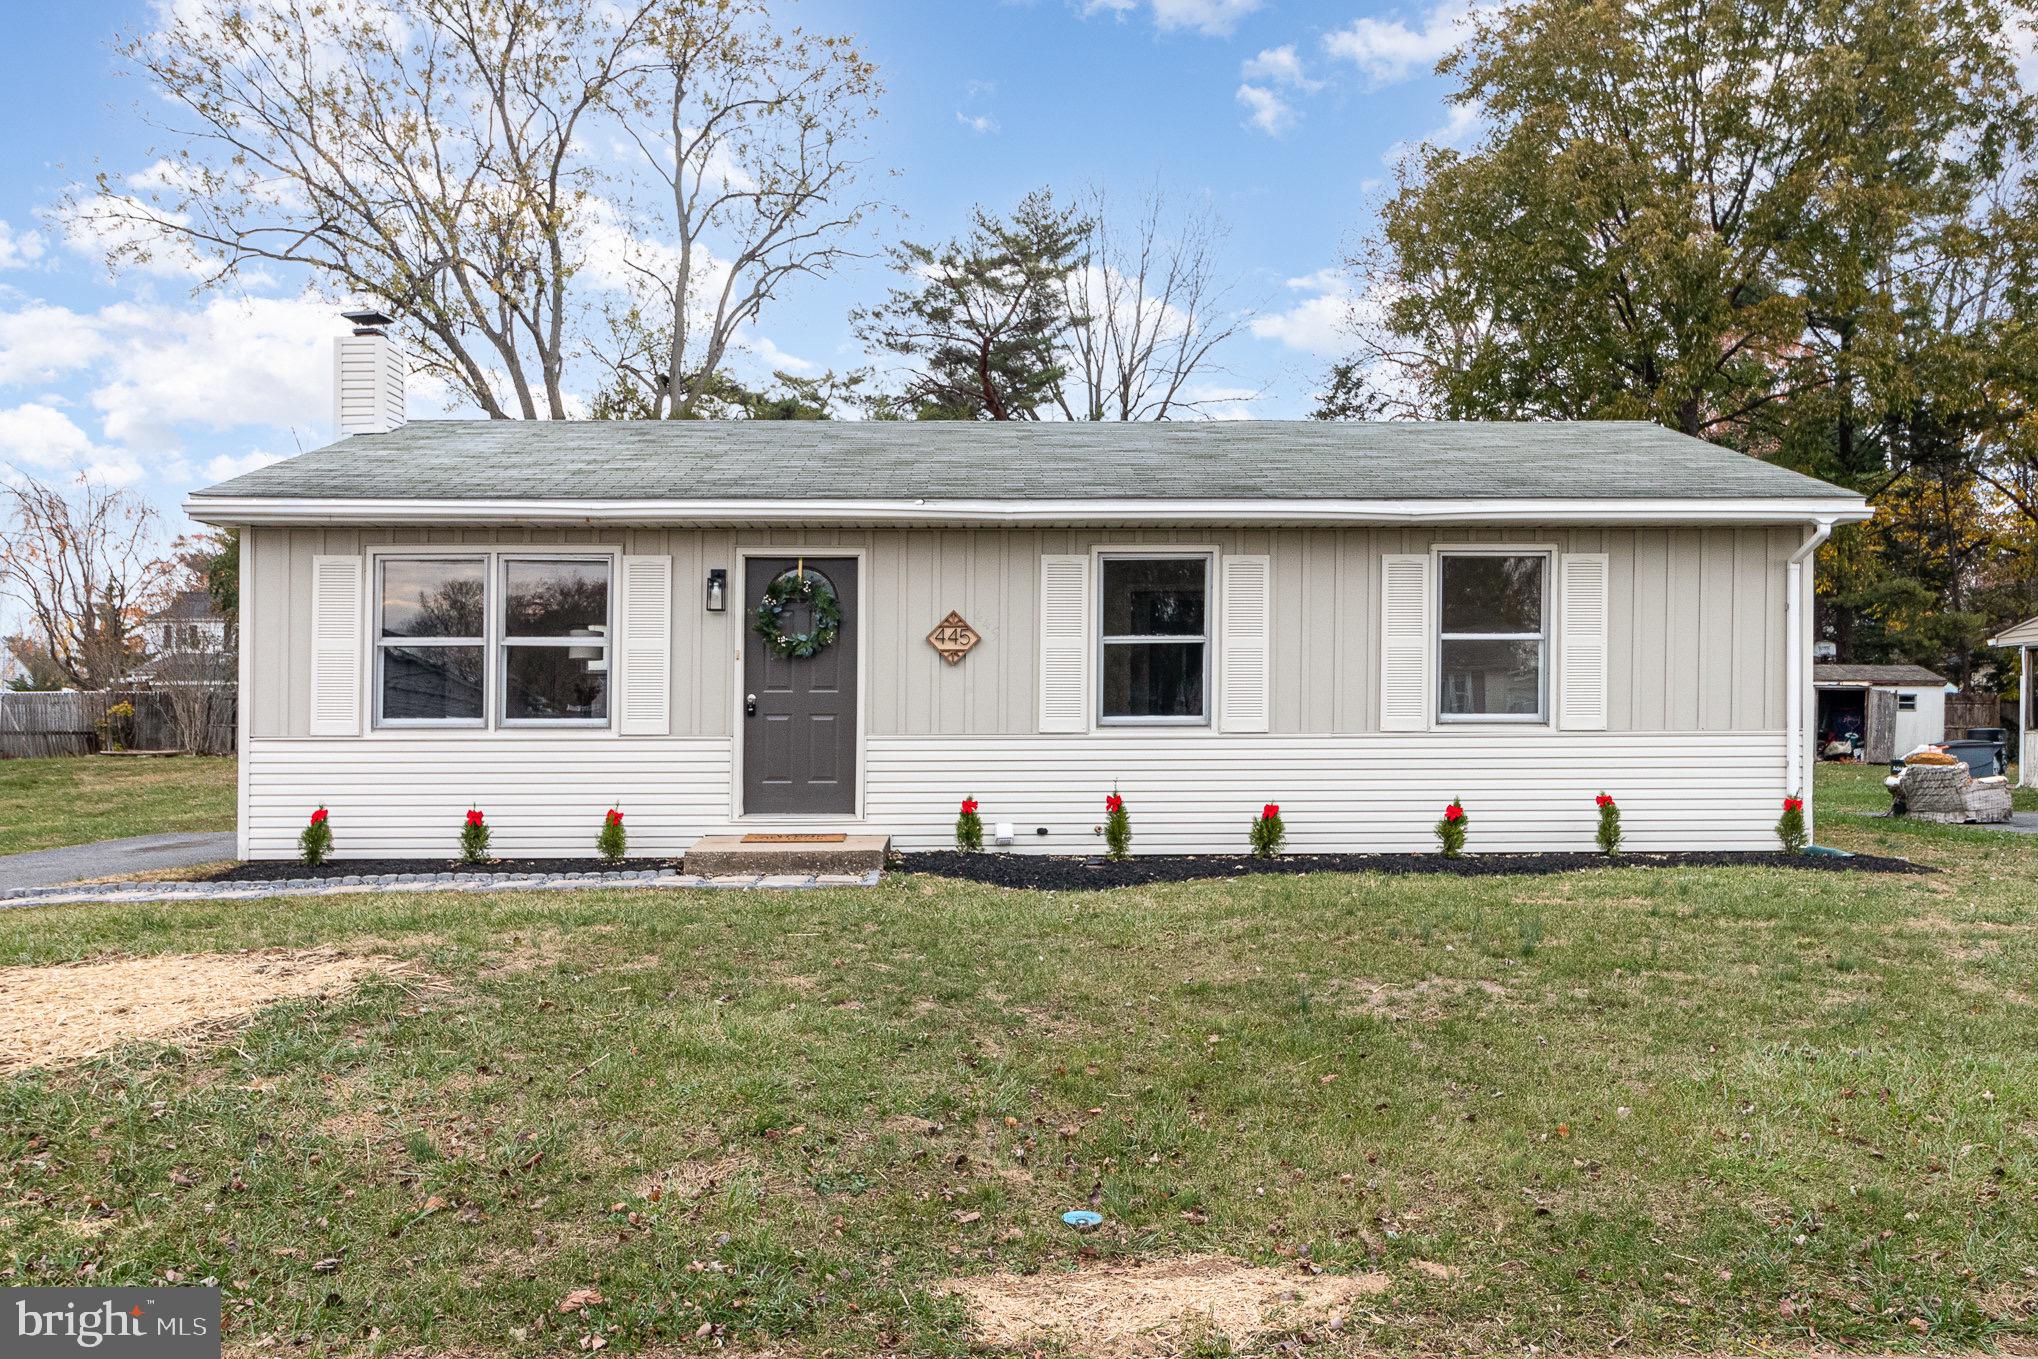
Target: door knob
{"type": "Point", "coordinates": [750, 705]}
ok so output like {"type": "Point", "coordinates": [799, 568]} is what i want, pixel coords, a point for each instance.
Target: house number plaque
{"type": "Point", "coordinates": [953, 637]}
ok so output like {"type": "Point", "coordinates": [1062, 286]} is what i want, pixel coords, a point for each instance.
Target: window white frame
{"type": "Point", "coordinates": [1208, 637]}
{"type": "Point", "coordinates": [500, 652]}
{"type": "Point", "coordinates": [494, 562]}
{"type": "Point", "coordinates": [383, 643]}
{"type": "Point", "coordinates": [1906, 702]}
{"type": "Point", "coordinates": [1542, 638]}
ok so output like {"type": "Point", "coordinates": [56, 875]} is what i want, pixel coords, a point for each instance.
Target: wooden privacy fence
{"type": "Point", "coordinates": [1977, 710]}
{"type": "Point", "coordinates": [33, 725]}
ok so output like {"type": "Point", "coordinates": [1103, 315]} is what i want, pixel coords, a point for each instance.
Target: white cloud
{"type": "Point", "coordinates": [1266, 110]}
{"type": "Point", "coordinates": [1214, 18]}
{"type": "Point", "coordinates": [775, 359]}
{"type": "Point", "coordinates": [1279, 66]}
{"type": "Point", "coordinates": [37, 432]}
{"type": "Point", "coordinates": [226, 465]}
{"type": "Point", "coordinates": [1318, 323]}
{"type": "Point", "coordinates": [118, 225]}
{"type": "Point", "coordinates": [40, 342]}
{"type": "Point", "coordinates": [1389, 51]}
{"type": "Point", "coordinates": [18, 249]}
{"type": "Point", "coordinates": [979, 123]}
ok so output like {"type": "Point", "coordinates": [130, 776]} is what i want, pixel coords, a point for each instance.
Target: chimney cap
{"type": "Point", "coordinates": [367, 321]}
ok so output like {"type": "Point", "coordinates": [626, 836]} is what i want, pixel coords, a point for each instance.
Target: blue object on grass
{"type": "Point", "coordinates": [1083, 1220]}
{"type": "Point", "coordinates": [1828, 852]}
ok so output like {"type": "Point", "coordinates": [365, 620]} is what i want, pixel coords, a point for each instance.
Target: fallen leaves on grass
{"type": "Point", "coordinates": [1124, 1311]}
{"type": "Point", "coordinates": [62, 1013]}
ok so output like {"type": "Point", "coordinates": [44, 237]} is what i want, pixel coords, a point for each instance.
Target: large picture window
{"type": "Point", "coordinates": [549, 635]}
{"type": "Point", "coordinates": [1493, 643]}
{"type": "Point", "coordinates": [1154, 639]}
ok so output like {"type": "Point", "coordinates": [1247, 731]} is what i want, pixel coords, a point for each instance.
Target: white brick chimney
{"type": "Point", "coordinates": [369, 373]}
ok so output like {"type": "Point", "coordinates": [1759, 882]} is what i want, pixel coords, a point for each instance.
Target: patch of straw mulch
{"type": "Point", "coordinates": [68, 1012]}
{"type": "Point", "coordinates": [1124, 1311]}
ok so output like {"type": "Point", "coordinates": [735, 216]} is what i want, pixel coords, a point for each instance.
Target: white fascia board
{"type": "Point", "coordinates": [267, 510]}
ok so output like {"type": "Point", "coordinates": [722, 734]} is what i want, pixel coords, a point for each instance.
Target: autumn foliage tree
{"type": "Point", "coordinates": [83, 565]}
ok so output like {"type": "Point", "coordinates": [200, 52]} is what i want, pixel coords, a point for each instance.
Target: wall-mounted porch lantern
{"type": "Point", "coordinates": [718, 589]}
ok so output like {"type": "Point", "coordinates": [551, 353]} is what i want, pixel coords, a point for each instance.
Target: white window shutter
{"type": "Point", "coordinates": [645, 648]}
{"type": "Point", "coordinates": [336, 687]}
{"type": "Point", "coordinates": [1406, 642]}
{"type": "Point", "coordinates": [1581, 641]}
{"type": "Point", "coordinates": [1247, 604]}
{"type": "Point", "coordinates": [1064, 642]}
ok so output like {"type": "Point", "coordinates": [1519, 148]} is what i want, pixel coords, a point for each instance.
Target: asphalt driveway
{"type": "Point", "coordinates": [108, 858]}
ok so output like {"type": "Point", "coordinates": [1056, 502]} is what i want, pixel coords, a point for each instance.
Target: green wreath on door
{"type": "Point", "coordinates": [791, 589]}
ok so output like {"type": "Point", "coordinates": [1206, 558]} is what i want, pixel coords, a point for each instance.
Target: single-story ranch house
{"type": "Point", "coordinates": [1357, 621]}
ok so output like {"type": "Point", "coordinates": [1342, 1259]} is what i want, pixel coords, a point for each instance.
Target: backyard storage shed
{"type": "Point", "coordinates": [1358, 621]}
{"type": "Point", "coordinates": [1889, 710]}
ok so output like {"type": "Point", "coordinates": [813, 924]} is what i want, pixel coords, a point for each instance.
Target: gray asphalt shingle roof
{"type": "Point", "coordinates": [907, 460]}
{"type": "Point", "coordinates": [1874, 674]}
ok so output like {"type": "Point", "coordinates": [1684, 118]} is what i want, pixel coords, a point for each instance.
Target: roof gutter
{"type": "Point", "coordinates": [277, 510]}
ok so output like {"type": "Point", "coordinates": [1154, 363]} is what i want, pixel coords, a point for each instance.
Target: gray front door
{"type": "Point", "coordinates": [799, 723]}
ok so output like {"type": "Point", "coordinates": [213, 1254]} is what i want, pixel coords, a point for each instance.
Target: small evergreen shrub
{"type": "Point", "coordinates": [1790, 826]}
{"type": "Point", "coordinates": [315, 841]}
{"type": "Point", "coordinates": [1117, 827]}
{"type": "Point", "coordinates": [1450, 830]}
{"type": "Point", "coordinates": [969, 828]}
{"type": "Point", "coordinates": [1609, 825]}
{"type": "Point", "coordinates": [474, 838]}
{"type": "Point", "coordinates": [612, 844]}
{"type": "Point", "coordinates": [1268, 833]}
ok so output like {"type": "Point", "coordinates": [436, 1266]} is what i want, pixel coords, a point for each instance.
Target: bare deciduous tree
{"type": "Point", "coordinates": [457, 161]}
{"type": "Point", "coordinates": [1148, 311]}
{"type": "Point", "coordinates": [84, 566]}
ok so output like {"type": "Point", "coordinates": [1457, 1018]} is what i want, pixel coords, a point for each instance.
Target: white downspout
{"type": "Point", "coordinates": [1797, 648]}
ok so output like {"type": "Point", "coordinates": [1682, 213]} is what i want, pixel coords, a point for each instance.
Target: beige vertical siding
{"type": "Point", "coordinates": [1696, 619]}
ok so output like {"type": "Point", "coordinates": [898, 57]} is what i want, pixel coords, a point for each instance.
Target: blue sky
{"type": "Point", "coordinates": [1282, 116]}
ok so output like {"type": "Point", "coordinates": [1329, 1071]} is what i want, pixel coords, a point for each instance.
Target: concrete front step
{"type": "Point", "coordinates": [719, 855]}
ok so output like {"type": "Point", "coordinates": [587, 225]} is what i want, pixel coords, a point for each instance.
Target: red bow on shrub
{"type": "Point", "coordinates": [615, 817]}
{"type": "Point", "coordinates": [1454, 813]}
{"type": "Point", "coordinates": [1603, 800]}
{"type": "Point", "coordinates": [1114, 803]}
{"type": "Point", "coordinates": [969, 806]}
{"type": "Point", "coordinates": [1270, 811]}
{"type": "Point", "coordinates": [474, 818]}
{"type": "Point", "coordinates": [1793, 804]}
{"type": "Point", "coordinates": [318, 817]}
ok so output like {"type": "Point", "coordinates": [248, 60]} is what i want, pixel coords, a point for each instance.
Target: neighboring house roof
{"type": "Point", "coordinates": [189, 606]}
{"type": "Point", "coordinates": [1870, 675]}
{"type": "Point", "coordinates": [952, 462]}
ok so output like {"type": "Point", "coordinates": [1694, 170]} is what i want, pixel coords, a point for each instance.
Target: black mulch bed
{"type": "Point", "coordinates": [1051, 872]}
{"type": "Point", "coordinates": [282, 870]}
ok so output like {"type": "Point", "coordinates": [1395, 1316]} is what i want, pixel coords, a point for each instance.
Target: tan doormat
{"type": "Point", "coordinates": [1132, 1311]}
{"type": "Point", "coordinates": [761, 838]}
{"type": "Point", "coordinates": [67, 1012]}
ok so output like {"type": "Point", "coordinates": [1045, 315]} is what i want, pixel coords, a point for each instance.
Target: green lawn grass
{"type": "Point", "coordinates": [1682, 1109]}
{"type": "Point", "coordinates": [1859, 788]}
{"type": "Point", "coordinates": [47, 803]}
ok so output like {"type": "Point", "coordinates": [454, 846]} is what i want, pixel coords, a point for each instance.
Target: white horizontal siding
{"type": "Point", "coordinates": [1189, 794]}
{"type": "Point", "coordinates": [544, 797]}
{"type": "Point", "coordinates": [1371, 793]}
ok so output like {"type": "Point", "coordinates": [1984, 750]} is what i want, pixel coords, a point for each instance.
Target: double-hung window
{"type": "Point", "coordinates": [517, 639]}
{"type": "Point", "coordinates": [1493, 636]}
{"type": "Point", "coordinates": [1154, 639]}
{"type": "Point", "coordinates": [430, 625]}
{"type": "Point", "coordinates": [555, 640]}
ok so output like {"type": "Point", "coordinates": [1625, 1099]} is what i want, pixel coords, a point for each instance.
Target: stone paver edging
{"type": "Point", "coordinates": [419, 882]}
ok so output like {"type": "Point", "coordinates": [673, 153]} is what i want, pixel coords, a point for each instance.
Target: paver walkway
{"type": "Point", "coordinates": [111, 858]}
